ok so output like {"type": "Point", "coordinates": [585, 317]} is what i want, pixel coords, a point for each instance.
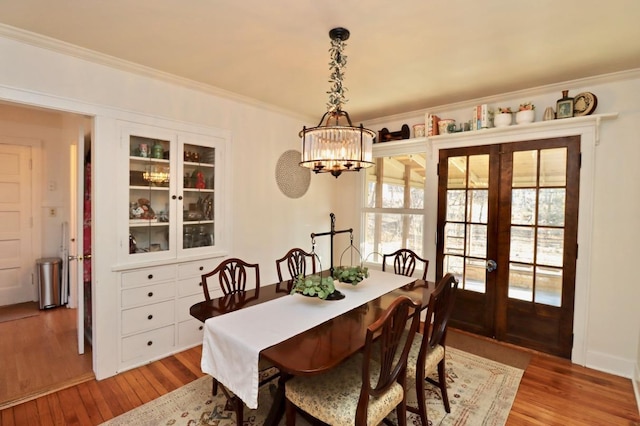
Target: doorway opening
{"type": "Point", "coordinates": [50, 222]}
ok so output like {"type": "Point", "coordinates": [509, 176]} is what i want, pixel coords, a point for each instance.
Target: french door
{"type": "Point", "coordinates": [507, 228]}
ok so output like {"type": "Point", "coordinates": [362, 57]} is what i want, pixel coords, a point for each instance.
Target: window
{"type": "Point", "coordinates": [393, 205]}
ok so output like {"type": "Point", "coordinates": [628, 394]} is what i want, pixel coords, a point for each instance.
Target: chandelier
{"type": "Point", "coordinates": [332, 147]}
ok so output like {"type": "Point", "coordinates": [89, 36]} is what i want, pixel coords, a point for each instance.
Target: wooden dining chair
{"type": "Point", "coordinates": [297, 261]}
{"type": "Point", "coordinates": [428, 349]}
{"type": "Point", "coordinates": [232, 277]}
{"type": "Point", "coordinates": [404, 263]}
{"type": "Point", "coordinates": [361, 391]}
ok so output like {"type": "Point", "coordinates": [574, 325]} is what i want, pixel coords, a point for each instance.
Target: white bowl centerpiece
{"type": "Point", "coordinates": [526, 113]}
{"type": "Point", "coordinates": [502, 117]}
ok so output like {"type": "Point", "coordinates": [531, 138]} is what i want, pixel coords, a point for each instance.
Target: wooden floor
{"type": "Point", "coordinates": [552, 392]}
{"type": "Point", "coordinates": [39, 354]}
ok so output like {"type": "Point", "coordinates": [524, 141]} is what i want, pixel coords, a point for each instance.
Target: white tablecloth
{"type": "Point", "coordinates": [232, 342]}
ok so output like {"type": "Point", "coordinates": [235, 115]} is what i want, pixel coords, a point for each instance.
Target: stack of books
{"type": "Point", "coordinates": [482, 117]}
{"type": "Point", "coordinates": [431, 124]}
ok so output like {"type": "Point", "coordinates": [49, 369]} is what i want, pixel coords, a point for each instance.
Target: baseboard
{"type": "Point", "coordinates": [611, 364]}
{"type": "Point", "coordinates": [636, 385]}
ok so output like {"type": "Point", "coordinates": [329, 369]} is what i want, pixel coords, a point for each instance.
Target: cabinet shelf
{"type": "Point", "coordinates": [149, 188]}
{"type": "Point", "coordinates": [206, 190]}
{"type": "Point", "coordinates": [192, 164]}
{"type": "Point", "coordinates": [136, 159]}
{"type": "Point", "coordinates": [196, 222]}
{"type": "Point", "coordinates": [135, 223]}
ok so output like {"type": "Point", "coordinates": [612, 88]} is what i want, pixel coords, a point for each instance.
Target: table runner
{"type": "Point", "coordinates": [232, 342]}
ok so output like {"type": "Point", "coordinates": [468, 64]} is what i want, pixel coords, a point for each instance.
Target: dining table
{"type": "Point", "coordinates": [297, 334]}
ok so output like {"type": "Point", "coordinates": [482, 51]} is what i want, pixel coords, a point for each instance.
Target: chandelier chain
{"type": "Point", "coordinates": [338, 64]}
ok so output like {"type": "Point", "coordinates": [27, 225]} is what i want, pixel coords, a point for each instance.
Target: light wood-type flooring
{"type": "Point", "coordinates": [39, 354]}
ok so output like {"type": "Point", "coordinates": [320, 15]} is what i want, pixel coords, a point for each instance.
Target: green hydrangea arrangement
{"type": "Point", "coordinates": [313, 285]}
{"type": "Point", "coordinates": [350, 274]}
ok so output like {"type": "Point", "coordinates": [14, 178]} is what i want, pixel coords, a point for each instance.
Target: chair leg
{"type": "Point", "coordinates": [238, 404]}
{"type": "Point", "coordinates": [214, 387]}
{"type": "Point", "coordinates": [442, 380]}
{"type": "Point", "coordinates": [401, 412]}
{"type": "Point", "coordinates": [290, 411]}
{"type": "Point", "coordinates": [422, 404]}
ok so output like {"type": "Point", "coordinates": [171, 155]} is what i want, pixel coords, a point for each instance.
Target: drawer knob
{"type": "Point", "coordinates": [150, 317]}
{"type": "Point", "coordinates": [200, 283]}
{"type": "Point", "coordinates": [150, 294]}
{"type": "Point", "coordinates": [200, 328]}
{"type": "Point", "coordinates": [149, 343]}
{"type": "Point", "coordinates": [150, 276]}
{"type": "Point", "coordinates": [202, 268]}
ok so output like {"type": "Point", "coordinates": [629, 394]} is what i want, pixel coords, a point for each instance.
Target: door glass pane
{"type": "Point", "coordinates": [522, 244]}
{"type": "Point", "coordinates": [455, 266]}
{"type": "Point", "coordinates": [454, 238]}
{"type": "Point", "coordinates": [551, 207]}
{"type": "Point", "coordinates": [149, 180]}
{"type": "Point", "coordinates": [523, 206]}
{"type": "Point", "coordinates": [553, 167]}
{"type": "Point", "coordinates": [475, 275]}
{"type": "Point", "coordinates": [521, 282]}
{"type": "Point", "coordinates": [549, 286]}
{"type": "Point", "coordinates": [457, 174]}
{"type": "Point", "coordinates": [479, 171]}
{"type": "Point", "coordinates": [198, 189]}
{"type": "Point", "coordinates": [456, 205]}
{"type": "Point", "coordinates": [478, 205]}
{"type": "Point", "coordinates": [525, 165]}
{"type": "Point", "coordinates": [550, 246]}
{"type": "Point", "coordinates": [477, 241]}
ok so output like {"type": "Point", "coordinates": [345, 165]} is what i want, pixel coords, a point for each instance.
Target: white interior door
{"type": "Point", "coordinates": [17, 282]}
{"type": "Point", "coordinates": [76, 243]}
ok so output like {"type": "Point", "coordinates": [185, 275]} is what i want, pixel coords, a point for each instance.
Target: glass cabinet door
{"type": "Point", "coordinates": [198, 183]}
{"type": "Point", "coordinates": [149, 195]}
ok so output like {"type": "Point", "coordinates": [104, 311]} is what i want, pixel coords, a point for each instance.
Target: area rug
{"type": "Point", "coordinates": [481, 392]}
{"type": "Point", "coordinates": [19, 311]}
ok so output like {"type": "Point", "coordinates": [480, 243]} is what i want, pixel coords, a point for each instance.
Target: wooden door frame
{"type": "Point", "coordinates": [588, 130]}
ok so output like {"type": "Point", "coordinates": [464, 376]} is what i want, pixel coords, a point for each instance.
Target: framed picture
{"type": "Point", "coordinates": [564, 108]}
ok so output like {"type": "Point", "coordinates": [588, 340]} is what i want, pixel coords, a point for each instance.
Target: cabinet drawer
{"type": "Point", "coordinates": [147, 345]}
{"type": "Point", "coordinates": [198, 267]}
{"type": "Point", "coordinates": [190, 286]}
{"type": "Point", "coordinates": [148, 317]}
{"type": "Point", "coordinates": [147, 294]}
{"type": "Point", "coordinates": [190, 333]}
{"type": "Point", "coordinates": [148, 275]}
{"type": "Point", "coordinates": [185, 303]}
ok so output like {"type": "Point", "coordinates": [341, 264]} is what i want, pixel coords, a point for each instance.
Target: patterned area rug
{"type": "Point", "coordinates": [481, 392]}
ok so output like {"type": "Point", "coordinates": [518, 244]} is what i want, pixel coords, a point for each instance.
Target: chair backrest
{"type": "Point", "coordinates": [404, 262]}
{"type": "Point", "coordinates": [438, 313]}
{"type": "Point", "coordinates": [390, 331]}
{"type": "Point", "coordinates": [232, 276]}
{"type": "Point", "coordinates": [297, 261]}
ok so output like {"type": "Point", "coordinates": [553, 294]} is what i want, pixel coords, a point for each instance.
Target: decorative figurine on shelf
{"type": "Point", "coordinates": [133, 245]}
{"type": "Point", "coordinates": [148, 212]}
{"type": "Point", "coordinates": [199, 180]}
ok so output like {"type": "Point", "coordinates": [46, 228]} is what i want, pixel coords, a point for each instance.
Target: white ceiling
{"type": "Point", "coordinates": [402, 55]}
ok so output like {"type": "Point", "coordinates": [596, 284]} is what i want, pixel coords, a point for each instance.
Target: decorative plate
{"type": "Point", "coordinates": [292, 179]}
{"type": "Point", "coordinates": [584, 104]}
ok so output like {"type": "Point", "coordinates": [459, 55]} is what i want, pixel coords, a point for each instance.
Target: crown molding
{"type": "Point", "coordinates": [52, 44]}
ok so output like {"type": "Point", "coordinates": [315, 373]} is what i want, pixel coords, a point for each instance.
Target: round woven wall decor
{"type": "Point", "coordinates": [292, 179]}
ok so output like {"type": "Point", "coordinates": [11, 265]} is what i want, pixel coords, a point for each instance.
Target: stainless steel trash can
{"type": "Point", "coordinates": [49, 281]}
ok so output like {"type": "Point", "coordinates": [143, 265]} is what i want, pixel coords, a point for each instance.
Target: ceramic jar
{"type": "Point", "coordinates": [526, 116]}
{"type": "Point", "coordinates": [502, 120]}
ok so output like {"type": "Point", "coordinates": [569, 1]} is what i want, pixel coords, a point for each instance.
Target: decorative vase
{"type": "Point", "coordinates": [502, 120]}
{"type": "Point", "coordinates": [526, 116]}
{"type": "Point", "coordinates": [549, 114]}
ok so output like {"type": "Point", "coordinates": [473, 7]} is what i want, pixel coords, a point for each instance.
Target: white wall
{"type": "Point", "coordinates": [611, 331]}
